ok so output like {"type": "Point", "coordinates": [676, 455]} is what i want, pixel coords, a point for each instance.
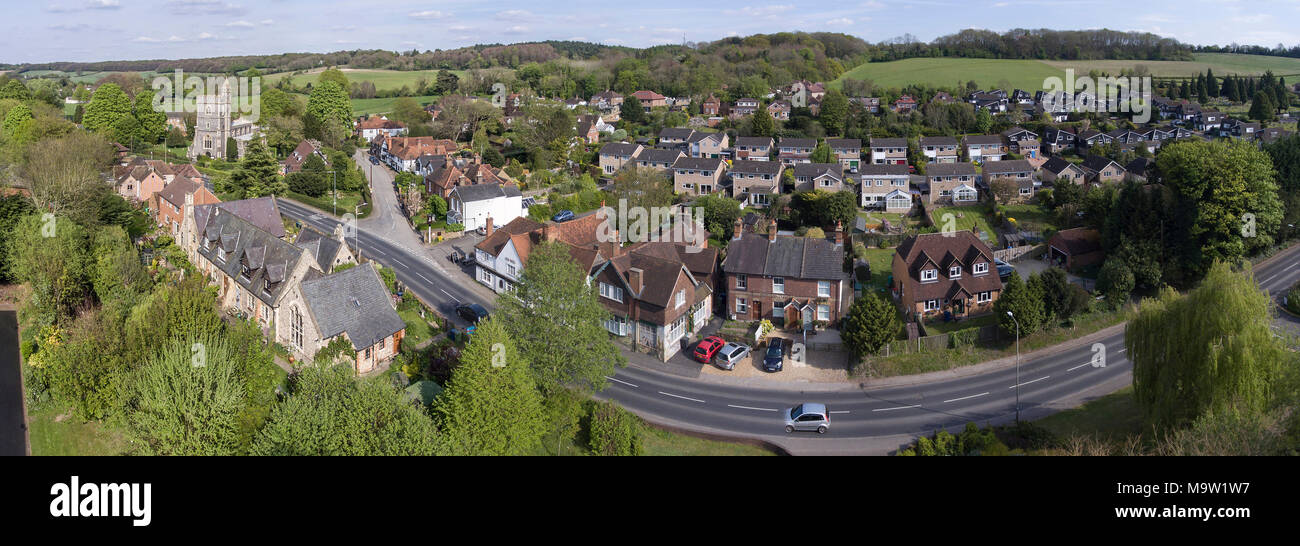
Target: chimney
{"type": "Point", "coordinates": [771, 230]}
{"type": "Point", "coordinates": [634, 279]}
{"type": "Point", "coordinates": [839, 233]}
{"type": "Point", "coordinates": [738, 230]}
{"type": "Point", "coordinates": [548, 232]}
{"type": "Point", "coordinates": [487, 231]}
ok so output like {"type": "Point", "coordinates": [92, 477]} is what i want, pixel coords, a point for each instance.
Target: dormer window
{"type": "Point", "coordinates": [954, 272]}
{"type": "Point", "coordinates": [221, 254]}
{"type": "Point", "coordinates": [245, 272]}
{"type": "Point", "coordinates": [928, 275]}
{"type": "Point", "coordinates": [981, 268]}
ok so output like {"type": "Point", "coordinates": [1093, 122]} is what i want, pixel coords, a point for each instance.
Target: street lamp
{"type": "Point", "coordinates": [1013, 319]}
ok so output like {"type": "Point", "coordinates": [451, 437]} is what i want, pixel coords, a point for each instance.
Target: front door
{"type": "Point", "coordinates": [758, 309]}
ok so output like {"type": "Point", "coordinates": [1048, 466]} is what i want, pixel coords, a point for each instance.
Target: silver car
{"type": "Point", "coordinates": [808, 417]}
{"type": "Point", "coordinates": [730, 354]}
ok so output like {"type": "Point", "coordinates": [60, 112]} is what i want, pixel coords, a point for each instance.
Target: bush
{"type": "Point", "coordinates": [963, 338]}
{"type": "Point", "coordinates": [611, 430]}
{"type": "Point", "coordinates": [1293, 299]}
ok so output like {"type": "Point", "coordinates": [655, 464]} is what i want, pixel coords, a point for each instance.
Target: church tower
{"type": "Point", "coordinates": [212, 124]}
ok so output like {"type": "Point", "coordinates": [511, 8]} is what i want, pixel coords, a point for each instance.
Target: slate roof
{"type": "Point", "coordinates": [743, 166]}
{"type": "Point", "coordinates": [798, 143]}
{"type": "Point", "coordinates": [938, 141]}
{"type": "Point", "coordinates": [844, 143]}
{"type": "Point", "coordinates": [1097, 163]}
{"type": "Point", "coordinates": [175, 192]}
{"type": "Point", "coordinates": [888, 143]}
{"type": "Point", "coordinates": [262, 212]}
{"type": "Point", "coordinates": [322, 247]}
{"type": "Point", "coordinates": [1056, 165]}
{"type": "Point", "coordinates": [950, 169]}
{"type": "Point", "coordinates": [753, 142]}
{"type": "Point", "coordinates": [269, 259]}
{"type": "Point", "coordinates": [619, 148]}
{"type": "Point", "coordinates": [698, 164]}
{"type": "Point", "coordinates": [353, 302]}
{"type": "Point", "coordinates": [814, 170]}
{"type": "Point", "coordinates": [883, 170]}
{"type": "Point", "coordinates": [983, 139]}
{"type": "Point", "coordinates": [995, 168]}
{"type": "Point", "coordinates": [654, 155]}
{"type": "Point", "coordinates": [483, 192]}
{"type": "Point", "coordinates": [794, 257]}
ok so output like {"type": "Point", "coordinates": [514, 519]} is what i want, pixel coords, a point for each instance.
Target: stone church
{"type": "Point", "coordinates": [213, 127]}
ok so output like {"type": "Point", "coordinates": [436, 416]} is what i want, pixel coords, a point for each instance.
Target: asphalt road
{"type": "Point", "coordinates": [13, 430]}
{"type": "Point", "coordinates": [859, 412]}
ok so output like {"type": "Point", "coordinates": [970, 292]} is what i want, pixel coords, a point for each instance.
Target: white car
{"type": "Point", "coordinates": [730, 354]}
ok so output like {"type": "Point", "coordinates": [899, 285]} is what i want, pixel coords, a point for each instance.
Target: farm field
{"type": "Point", "coordinates": [383, 79]}
{"type": "Point", "coordinates": [365, 107]}
{"type": "Point", "coordinates": [1029, 74]}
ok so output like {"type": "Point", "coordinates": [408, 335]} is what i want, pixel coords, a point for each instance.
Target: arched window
{"type": "Point", "coordinates": [207, 142]}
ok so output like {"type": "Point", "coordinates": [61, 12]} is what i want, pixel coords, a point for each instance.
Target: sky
{"type": "Point", "coordinates": [101, 30]}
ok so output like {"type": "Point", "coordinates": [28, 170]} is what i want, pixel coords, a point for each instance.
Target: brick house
{"type": "Point", "coordinates": [889, 151]}
{"type": "Point", "coordinates": [616, 155]}
{"type": "Point", "coordinates": [710, 145]}
{"type": "Point", "coordinates": [939, 149]}
{"type": "Point", "coordinates": [952, 183]}
{"type": "Point", "coordinates": [938, 272]}
{"type": "Point", "coordinates": [819, 176]}
{"type": "Point", "coordinates": [753, 148]}
{"type": "Point", "coordinates": [658, 159]}
{"type": "Point", "coordinates": [1020, 171]}
{"type": "Point", "coordinates": [796, 150]}
{"type": "Point", "coordinates": [848, 151]}
{"type": "Point", "coordinates": [697, 175]}
{"type": "Point", "coordinates": [793, 281]}
{"type": "Point", "coordinates": [1102, 169]}
{"type": "Point", "coordinates": [886, 187]}
{"type": "Point", "coordinates": [755, 182]}
{"type": "Point", "coordinates": [658, 294]}
{"type": "Point", "coordinates": [169, 204]}
{"type": "Point", "coordinates": [982, 148]}
{"type": "Point", "coordinates": [650, 99]}
{"type": "Point", "coordinates": [1059, 170]}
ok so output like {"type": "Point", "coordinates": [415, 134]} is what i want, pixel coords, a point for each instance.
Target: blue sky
{"type": "Point", "coordinates": [95, 30]}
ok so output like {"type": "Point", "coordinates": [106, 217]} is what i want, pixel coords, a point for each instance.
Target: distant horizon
{"type": "Point", "coordinates": [90, 31]}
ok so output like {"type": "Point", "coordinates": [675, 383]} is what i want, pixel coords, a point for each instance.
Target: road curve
{"type": "Point", "coordinates": [858, 413]}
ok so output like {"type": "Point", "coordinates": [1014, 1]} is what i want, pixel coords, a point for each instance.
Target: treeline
{"type": "Point", "coordinates": [1276, 51]}
{"type": "Point", "coordinates": [1037, 44]}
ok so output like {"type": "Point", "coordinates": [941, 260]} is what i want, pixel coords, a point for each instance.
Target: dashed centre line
{"type": "Point", "coordinates": [1028, 382]}
{"type": "Point", "coordinates": [749, 408]}
{"type": "Point", "coordinates": [965, 397]}
{"type": "Point", "coordinates": [680, 396]}
{"type": "Point", "coordinates": [620, 381]}
{"type": "Point", "coordinates": [898, 408]}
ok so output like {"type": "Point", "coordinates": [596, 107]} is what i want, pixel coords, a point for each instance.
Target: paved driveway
{"type": "Point", "coordinates": [13, 426]}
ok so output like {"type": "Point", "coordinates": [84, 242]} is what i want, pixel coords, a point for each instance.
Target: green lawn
{"type": "Point", "coordinates": [882, 262]}
{"type": "Point", "coordinates": [383, 79]}
{"type": "Point", "coordinates": [70, 436]}
{"type": "Point", "coordinates": [346, 203]}
{"type": "Point", "coordinates": [363, 107]}
{"type": "Point", "coordinates": [1031, 216]}
{"type": "Point", "coordinates": [967, 217]}
{"type": "Point", "coordinates": [418, 330]}
{"type": "Point", "coordinates": [1113, 417]}
{"type": "Point", "coordinates": [661, 443]}
{"type": "Point", "coordinates": [1029, 74]}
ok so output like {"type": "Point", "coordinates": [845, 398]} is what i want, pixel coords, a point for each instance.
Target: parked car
{"type": "Point", "coordinates": [562, 216]}
{"type": "Point", "coordinates": [730, 354]}
{"type": "Point", "coordinates": [471, 312]}
{"type": "Point", "coordinates": [374, 160]}
{"type": "Point", "coordinates": [774, 360]}
{"type": "Point", "coordinates": [707, 348]}
{"type": "Point", "coordinates": [1005, 270]}
{"type": "Point", "coordinates": [808, 417]}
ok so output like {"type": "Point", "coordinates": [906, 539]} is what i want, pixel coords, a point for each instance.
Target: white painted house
{"type": "Point", "coordinates": [474, 204]}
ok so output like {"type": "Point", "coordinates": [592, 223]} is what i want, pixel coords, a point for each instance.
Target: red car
{"type": "Point", "coordinates": [707, 348]}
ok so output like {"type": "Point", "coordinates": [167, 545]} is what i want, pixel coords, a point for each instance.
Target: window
{"type": "Point", "coordinates": [381, 343]}
{"type": "Point", "coordinates": [611, 292]}
{"type": "Point", "coordinates": [778, 310]}
{"type": "Point", "coordinates": [929, 275]}
{"type": "Point", "coordinates": [984, 297]}
{"type": "Point", "coordinates": [742, 281]}
{"type": "Point", "coordinates": [981, 268]}
{"type": "Point", "coordinates": [741, 306]}
{"type": "Point", "coordinates": [932, 305]}
{"type": "Point", "coordinates": [954, 272]}
{"type": "Point", "coordinates": [824, 289]}
{"type": "Point", "coordinates": [681, 298]}
{"type": "Point", "coordinates": [778, 285]}
{"type": "Point", "coordinates": [823, 312]}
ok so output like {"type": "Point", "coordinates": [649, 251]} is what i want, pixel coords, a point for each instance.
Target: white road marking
{"type": "Point", "coordinates": [1028, 382]}
{"type": "Point", "coordinates": [965, 397]}
{"type": "Point", "coordinates": [898, 408]}
{"type": "Point", "coordinates": [1079, 366]}
{"type": "Point", "coordinates": [399, 262]}
{"type": "Point", "coordinates": [1265, 281]}
{"type": "Point", "coordinates": [426, 279]}
{"type": "Point", "coordinates": [747, 407]}
{"type": "Point", "coordinates": [620, 381]}
{"type": "Point", "coordinates": [1122, 350]}
{"type": "Point", "coordinates": [448, 294]}
{"type": "Point", "coordinates": [841, 411]}
{"type": "Point", "coordinates": [682, 397]}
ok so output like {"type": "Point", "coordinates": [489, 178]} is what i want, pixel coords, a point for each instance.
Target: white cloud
{"type": "Point", "coordinates": [240, 24]}
{"type": "Point", "coordinates": [429, 14]}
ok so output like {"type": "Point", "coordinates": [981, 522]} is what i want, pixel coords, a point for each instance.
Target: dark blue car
{"type": "Point", "coordinates": [562, 216]}
{"type": "Point", "coordinates": [774, 359]}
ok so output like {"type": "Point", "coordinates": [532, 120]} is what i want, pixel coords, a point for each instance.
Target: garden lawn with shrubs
{"type": "Point", "coordinates": [967, 217]}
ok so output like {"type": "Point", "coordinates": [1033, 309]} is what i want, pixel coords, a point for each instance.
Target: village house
{"type": "Point", "coordinates": [1022, 141]}
{"type": "Point", "coordinates": [1075, 248]}
{"type": "Point", "coordinates": [744, 106]}
{"type": "Point", "coordinates": [697, 175]}
{"type": "Point", "coordinates": [1102, 169]}
{"type": "Point", "coordinates": [936, 273]}
{"type": "Point", "coordinates": [952, 183]}
{"type": "Point", "coordinates": [904, 105]}
{"type": "Point", "coordinates": [889, 151]}
{"type": "Point", "coordinates": [139, 184]}
{"type": "Point", "coordinates": [819, 176]}
{"type": "Point", "coordinates": [939, 149]}
{"type": "Point", "coordinates": [401, 153]}
{"type": "Point", "coordinates": [658, 159]}
{"type": "Point", "coordinates": [1058, 139]}
{"type": "Point", "coordinates": [588, 130]}
{"type": "Point", "coordinates": [370, 127]}
{"type": "Point", "coordinates": [711, 106]}
{"type": "Point", "coordinates": [616, 155]}
{"type": "Point", "coordinates": [169, 204]}
{"type": "Point", "coordinates": [456, 172]}
{"type": "Point", "coordinates": [650, 99]}
{"type": "Point", "coordinates": [353, 305]}
{"type": "Point", "coordinates": [870, 104]}
{"type": "Point", "coordinates": [983, 148]}
{"type": "Point", "coordinates": [658, 293]}
{"type": "Point", "coordinates": [755, 182]}
{"type": "Point", "coordinates": [848, 151]}
{"type": "Point", "coordinates": [307, 148]}
{"type": "Point", "coordinates": [796, 282]}
{"type": "Point", "coordinates": [886, 187]}
{"type": "Point", "coordinates": [780, 110]}
{"type": "Point", "coordinates": [1058, 170]}
{"type": "Point", "coordinates": [476, 206]}
{"type": "Point", "coordinates": [791, 151]}
{"type": "Point", "coordinates": [707, 145]}
{"type": "Point", "coordinates": [499, 259]}
{"type": "Point", "coordinates": [753, 148]}
{"type": "Point", "coordinates": [262, 212]}
{"type": "Point", "coordinates": [1020, 171]}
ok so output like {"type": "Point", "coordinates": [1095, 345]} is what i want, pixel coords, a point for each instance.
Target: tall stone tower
{"type": "Point", "coordinates": [212, 124]}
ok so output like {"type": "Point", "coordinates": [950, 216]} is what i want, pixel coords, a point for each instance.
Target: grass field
{"type": "Point", "coordinates": [362, 107]}
{"type": "Point", "coordinates": [1029, 74]}
{"type": "Point", "coordinates": [383, 79]}
{"type": "Point", "coordinates": [965, 218]}
{"type": "Point", "coordinates": [1114, 416]}
{"type": "Point", "coordinates": [69, 436]}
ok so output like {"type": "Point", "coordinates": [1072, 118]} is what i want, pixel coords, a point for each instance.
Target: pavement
{"type": "Point", "coordinates": [867, 417]}
{"type": "Point", "coordinates": [13, 411]}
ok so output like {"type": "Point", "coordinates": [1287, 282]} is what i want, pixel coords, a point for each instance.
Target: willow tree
{"type": "Point", "coordinates": [1212, 350]}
